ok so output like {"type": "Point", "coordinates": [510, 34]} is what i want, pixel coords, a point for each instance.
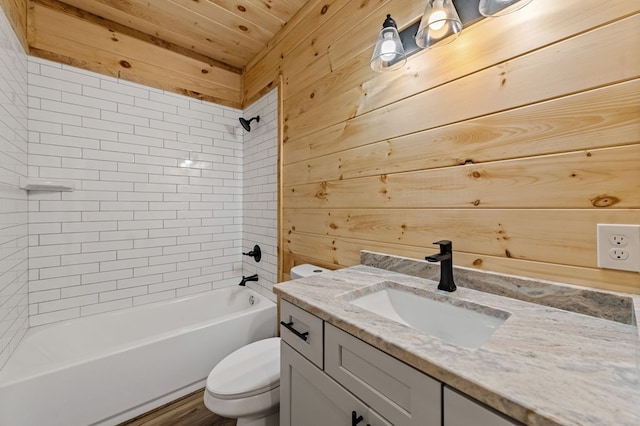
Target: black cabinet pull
{"type": "Point", "coordinates": [289, 326]}
{"type": "Point", "coordinates": [355, 419]}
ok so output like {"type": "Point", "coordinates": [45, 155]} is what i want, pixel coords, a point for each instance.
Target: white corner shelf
{"type": "Point", "coordinates": [47, 185]}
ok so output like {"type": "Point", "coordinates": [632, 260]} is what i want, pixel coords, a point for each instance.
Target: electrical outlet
{"type": "Point", "coordinates": [618, 240]}
{"type": "Point", "coordinates": [619, 247]}
{"type": "Point", "coordinates": [619, 254]}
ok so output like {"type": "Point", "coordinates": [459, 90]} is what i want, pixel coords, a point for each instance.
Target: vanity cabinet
{"type": "Point", "coordinates": [329, 377]}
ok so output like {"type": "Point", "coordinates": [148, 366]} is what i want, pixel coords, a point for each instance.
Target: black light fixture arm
{"type": "Point", "coordinates": [389, 22]}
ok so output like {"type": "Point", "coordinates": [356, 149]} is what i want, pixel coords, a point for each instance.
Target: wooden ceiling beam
{"type": "Point", "coordinates": [90, 17]}
{"type": "Point", "coordinates": [168, 26]}
{"type": "Point", "coordinates": [69, 35]}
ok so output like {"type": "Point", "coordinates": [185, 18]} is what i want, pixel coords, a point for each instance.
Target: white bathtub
{"type": "Point", "coordinates": [108, 368]}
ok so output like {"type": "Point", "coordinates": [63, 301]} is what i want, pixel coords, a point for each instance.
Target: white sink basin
{"type": "Point", "coordinates": [468, 325]}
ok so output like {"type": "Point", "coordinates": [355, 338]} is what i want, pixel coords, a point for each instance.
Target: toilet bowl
{"type": "Point", "coordinates": [246, 384]}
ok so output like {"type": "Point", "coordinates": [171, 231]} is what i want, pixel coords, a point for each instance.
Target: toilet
{"type": "Point", "coordinates": [246, 384]}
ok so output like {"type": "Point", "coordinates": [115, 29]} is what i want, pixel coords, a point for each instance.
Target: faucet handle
{"type": "Point", "coordinates": [445, 246]}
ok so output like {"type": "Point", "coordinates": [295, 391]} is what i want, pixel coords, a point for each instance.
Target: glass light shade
{"type": "Point", "coordinates": [495, 8]}
{"type": "Point", "coordinates": [389, 53]}
{"type": "Point", "coordinates": [440, 21]}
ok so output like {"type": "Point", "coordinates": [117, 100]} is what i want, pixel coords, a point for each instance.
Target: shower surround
{"type": "Point", "coordinates": [157, 210]}
{"type": "Point", "coordinates": [169, 191]}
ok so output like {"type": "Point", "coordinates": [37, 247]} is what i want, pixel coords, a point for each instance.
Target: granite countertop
{"type": "Point", "coordinates": [570, 358]}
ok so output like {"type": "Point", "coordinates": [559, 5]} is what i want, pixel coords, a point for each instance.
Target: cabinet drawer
{"type": "Point", "coordinates": [460, 410]}
{"type": "Point", "coordinates": [403, 395]}
{"type": "Point", "coordinates": [303, 332]}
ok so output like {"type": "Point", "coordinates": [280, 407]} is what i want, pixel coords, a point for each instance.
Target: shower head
{"type": "Point", "coordinates": [247, 123]}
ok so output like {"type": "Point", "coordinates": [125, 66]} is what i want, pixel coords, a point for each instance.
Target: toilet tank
{"type": "Point", "coordinates": [306, 270]}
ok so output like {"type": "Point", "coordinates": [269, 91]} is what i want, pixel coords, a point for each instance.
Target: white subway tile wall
{"type": "Point", "coordinates": [14, 240]}
{"type": "Point", "coordinates": [157, 210]}
{"type": "Point", "coordinates": [260, 202]}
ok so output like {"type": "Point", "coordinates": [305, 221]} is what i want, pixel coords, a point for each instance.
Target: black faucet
{"type": "Point", "coordinates": [245, 280]}
{"type": "Point", "coordinates": [445, 257]}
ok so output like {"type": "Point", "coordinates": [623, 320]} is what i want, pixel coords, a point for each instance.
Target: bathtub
{"type": "Point", "coordinates": [108, 368]}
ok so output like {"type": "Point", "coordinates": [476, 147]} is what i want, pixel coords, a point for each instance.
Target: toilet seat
{"type": "Point", "coordinates": [251, 370]}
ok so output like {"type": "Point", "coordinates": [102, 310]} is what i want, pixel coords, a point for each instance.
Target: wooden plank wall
{"type": "Point", "coordinates": [514, 141]}
{"type": "Point", "coordinates": [16, 12]}
{"type": "Point", "coordinates": [65, 34]}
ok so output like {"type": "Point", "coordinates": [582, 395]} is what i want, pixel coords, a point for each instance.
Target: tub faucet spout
{"type": "Point", "coordinates": [445, 257]}
{"type": "Point", "coordinates": [245, 280]}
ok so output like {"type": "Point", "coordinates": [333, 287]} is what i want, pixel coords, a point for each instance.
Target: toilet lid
{"type": "Point", "coordinates": [251, 370]}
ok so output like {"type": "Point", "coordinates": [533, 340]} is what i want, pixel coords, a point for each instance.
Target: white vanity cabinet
{"type": "Point", "coordinates": [329, 377]}
{"type": "Point", "coordinates": [337, 381]}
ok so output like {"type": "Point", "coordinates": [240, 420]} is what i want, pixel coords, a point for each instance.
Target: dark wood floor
{"type": "Point", "coordinates": [186, 411]}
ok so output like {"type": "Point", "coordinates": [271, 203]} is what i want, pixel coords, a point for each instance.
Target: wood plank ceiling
{"type": "Point", "coordinates": [195, 47]}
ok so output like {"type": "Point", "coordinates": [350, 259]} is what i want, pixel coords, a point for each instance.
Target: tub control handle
{"type": "Point", "coordinates": [256, 253]}
{"type": "Point", "coordinates": [289, 326]}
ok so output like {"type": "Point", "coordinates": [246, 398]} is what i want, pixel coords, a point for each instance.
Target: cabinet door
{"type": "Point", "coordinates": [402, 394]}
{"type": "Point", "coordinates": [462, 411]}
{"type": "Point", "coordinates": [309, 397]}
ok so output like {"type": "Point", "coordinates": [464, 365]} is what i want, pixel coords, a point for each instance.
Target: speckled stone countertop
{"type": "Point", "coordinates": [570, 358]}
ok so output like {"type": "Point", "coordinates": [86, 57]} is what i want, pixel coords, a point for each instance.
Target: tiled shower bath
{"type": "Point", "coordinates": [157, 211]}
{"type": "Point", "coordinates": [169, 191]}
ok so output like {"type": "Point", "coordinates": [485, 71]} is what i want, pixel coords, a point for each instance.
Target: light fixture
{"type": "Point", "coordinates": [247, 123]}
{"type": "Point", "coordinates": [388, 54]}
{"type": "Point", "coordinates": [440, 21]}
{"type": "Point", "coordinates": [494, 8]}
